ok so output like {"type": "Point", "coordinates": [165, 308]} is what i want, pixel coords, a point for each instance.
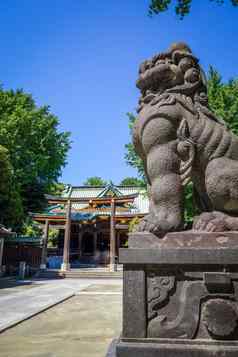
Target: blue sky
{"type": "Point", "coordinates": [82, 57]}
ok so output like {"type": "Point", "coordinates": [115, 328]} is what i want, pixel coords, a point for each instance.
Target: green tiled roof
{"type": "Point", "coordinates": [139, 206]}
{"type": "Point", "coordinates": [23, 239]}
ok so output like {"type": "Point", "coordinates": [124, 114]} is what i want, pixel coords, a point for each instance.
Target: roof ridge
{"type": "Point", "coordinates": [71, 188]}
{"type": "Point", "coordinates": [88, 186]}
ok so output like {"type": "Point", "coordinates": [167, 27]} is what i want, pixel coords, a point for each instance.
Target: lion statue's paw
{"type": "Point", "coordinates": [149, 224]}
{"type": "Point", "coordinates": [211, 222]}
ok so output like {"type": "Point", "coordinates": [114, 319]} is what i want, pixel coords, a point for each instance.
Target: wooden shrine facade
{"type": "Point", "coordinates": [92, 228]}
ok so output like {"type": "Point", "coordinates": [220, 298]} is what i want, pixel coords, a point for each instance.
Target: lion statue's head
{"type": "Point", "coordinates": [174, 71]}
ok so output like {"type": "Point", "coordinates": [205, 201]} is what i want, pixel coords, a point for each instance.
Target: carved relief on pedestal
{"type": "Point", "coordinates": [220, 317]}
{"type": "Point", "coordinates": [159, 288]}
{"type": "Point", "coordinates": [190, 308]}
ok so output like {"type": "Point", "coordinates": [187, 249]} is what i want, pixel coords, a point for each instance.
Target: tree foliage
{"type": "Point", "coordinates": [57, 188]}
{"type": "Point", "coordinates": [95, 181]}
{"type": "Point", "coordinates": [133, 223]}
{"type": "Point", "coordinates": [131, 156]}
{"type": "Point", "coordinates": [36, 149]}
{"type": "Point", "coordinates": [132, 181]}
{"type": "Point", "coordinates": [182, 7]}
{"type": "Point", "coordinates": [31, 228]}
{"type": "Point", "coordinates": [223, 101]}
{"type": "Point", "coordinates": [53, 237]}
{"type": "Point", "coordinates": [10, 201]}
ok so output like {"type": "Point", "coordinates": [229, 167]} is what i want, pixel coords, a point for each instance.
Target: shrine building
{"type": "Point", "coordinates": [93, 222]}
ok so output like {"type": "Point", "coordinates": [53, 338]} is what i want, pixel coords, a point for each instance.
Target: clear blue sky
{"type": "Point", "coordinates": [81, 58]}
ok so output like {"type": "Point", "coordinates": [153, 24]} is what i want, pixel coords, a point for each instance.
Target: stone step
{"type": "Point", "coordinates": [77, 273]}
{"type": "Point", "coordinates": [92, 275]}
{"type": "Point", "coordinates": [49, 274]}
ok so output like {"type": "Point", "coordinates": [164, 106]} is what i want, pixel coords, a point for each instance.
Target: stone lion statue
{"type": "Point", "coordinates": [179, 139]}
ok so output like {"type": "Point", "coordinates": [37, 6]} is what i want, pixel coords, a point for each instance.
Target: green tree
{"type": "Point", "coordinates": [223, 98]}
{"type": "Point", "coordinates": [57, 188]}
{"type": "Point", "coordinates": [31, 228]}
{"type": "Point", "coordinates": [223, 101]}
{"type": "Point", "coordinates": [132, 181]}
{"type": "Point", "coordinates": [131, 156]}
{"type": "Point", "coordinates": [95, 181]}
{"type": "Point", "coordinates": [182, 7]}
{"type": "Point", "coordinates": [10, 201]}
{"type": "Point", "coordinates": [5, 177]}
{"type": "Point", "coordinates": [53, 237]}
{"type": "Point", "coordinates": [133, 223]}
{"type": "Point", "coordinates": [37, 150]}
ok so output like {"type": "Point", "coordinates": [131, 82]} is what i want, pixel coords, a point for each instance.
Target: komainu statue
{"type": "Point", "coordinates": [179, 139]}
{"type": "Point", "coordinates": [180, 293]}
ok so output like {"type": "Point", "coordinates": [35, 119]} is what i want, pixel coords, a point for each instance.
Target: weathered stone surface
{"type": "Point", "coordinates": [218, 282]}
{"type": "Point", "coordinates": [142, 240]}
{"type": "Point", "coordinates": [134, 302]}
{"type": "Point", "coordinates": [179, 139]}
{"type": "Point", "coordinates": [185, 239]}
{"type": "Point", "coordinates": [179, 256]}
{"type": "Point", "coordinates": [220, 317]}
{"type": "Point", "coordinates": [181, 295]}
{"type": "Point", "coordinates": [173, 349]}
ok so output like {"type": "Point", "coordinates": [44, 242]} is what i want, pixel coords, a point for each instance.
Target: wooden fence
{"type": "Point", "coordinates": [14, 254]}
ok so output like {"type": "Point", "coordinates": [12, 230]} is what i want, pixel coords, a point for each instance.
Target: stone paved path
{"type": "Point", "coordinates": [25, 299]}
{"type": "Point", "coordinates": [82, 326]}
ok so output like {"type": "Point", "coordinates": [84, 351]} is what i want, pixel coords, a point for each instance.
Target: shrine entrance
{"type": "Point", "coordinates": [88, 244]}
{"type": "Point", "coordinates": [103, 242]}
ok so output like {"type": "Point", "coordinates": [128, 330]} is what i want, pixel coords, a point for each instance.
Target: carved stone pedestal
{"type": "Point", "coordinates": [180, 296]}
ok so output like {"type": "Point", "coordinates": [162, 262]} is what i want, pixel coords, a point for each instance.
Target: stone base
{"type": "Point", "coordinates": [186, 239]}
{"type": "Point", "coordinates": [65, 267]}
{"type": "Point", "coordinates": [42, 266]}
{"type": "Point", "coordinates": [180, 296]}
{"type": "Point", "coordinates": [113, 267]}
{"type": "Point", "coordinates": [171, 348]}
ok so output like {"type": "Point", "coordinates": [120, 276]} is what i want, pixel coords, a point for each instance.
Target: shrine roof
{"type": "Point", "coordinates": [138, 202]}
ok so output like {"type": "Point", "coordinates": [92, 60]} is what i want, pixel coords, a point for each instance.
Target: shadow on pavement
{"type": "Point", "coordinates": [7, 283]}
